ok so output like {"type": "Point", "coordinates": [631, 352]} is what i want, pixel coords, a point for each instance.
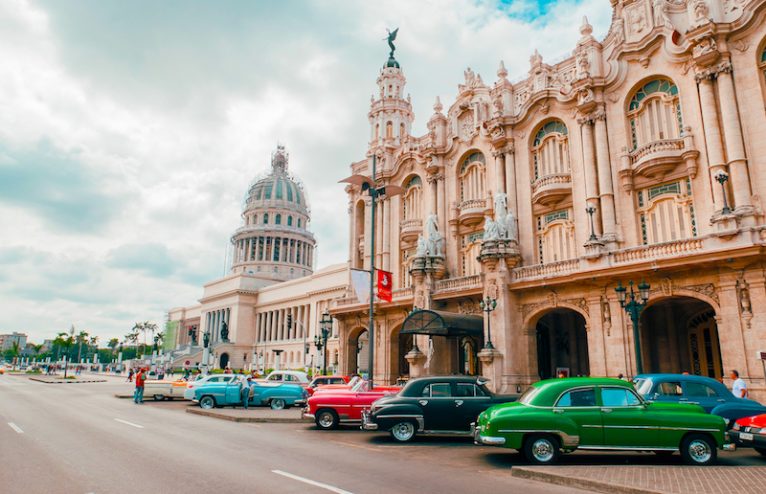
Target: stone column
{"type": "Point", "coordinates": [386, 206]}
{"type": "Point", "coordinates": [712, 134]}
{"type": "Point", "coordinates": [434, 191]}
{"type": "Point", "coordinates": [510, 181]}
{"type": "Point", "coordinates": [589, 167]}
{"type": "Point", "coordinates": [735, 147]}
{"type": "Point", "coordinates": [606, 190]}
{"type": "Point", "coordinates": [351, 244]}
{"type": "Point", "coordinates": [500, 171]}
{"type": "Point", "coordinates": [378, 236]}
{"type": "Point", "coordinates": [367, 231]}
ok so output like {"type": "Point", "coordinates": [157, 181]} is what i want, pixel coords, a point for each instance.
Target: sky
{"type": "Point", "coordinates": [130, 131]}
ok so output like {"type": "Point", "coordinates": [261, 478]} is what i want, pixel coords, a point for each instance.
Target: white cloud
{"type": "Point", "coordinates": [169, 118]}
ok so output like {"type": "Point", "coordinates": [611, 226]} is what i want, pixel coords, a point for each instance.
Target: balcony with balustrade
{"type": "Point", "coordinates": [471, 211]}
{"type": "Point", "coordinates": [551, 189]}
{"type": "Point", "coordinates": [410, 229]}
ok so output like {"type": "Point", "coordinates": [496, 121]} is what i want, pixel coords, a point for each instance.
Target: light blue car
{"type": "Point", "coordinates": [228, 393]}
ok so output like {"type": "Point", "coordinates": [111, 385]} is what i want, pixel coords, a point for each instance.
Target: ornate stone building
{"type": "Point", "coordinates": [640, 157]}
{"type": "Point", "coordinates": [266, 312]}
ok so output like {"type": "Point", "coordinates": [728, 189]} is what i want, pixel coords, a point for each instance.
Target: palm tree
{"type": "Point", "coordinates": [82, 337]}
{"type": "Point", "coordinates": [14, 351]}
{"type": "Point", "coordinates": [133, 335]}
{"type": "Point", "coordinates": [94, 344]}
{"type": "Point", "coordinates": [65, 340]}
{"type": "Point", "coordinates": [113, 344]}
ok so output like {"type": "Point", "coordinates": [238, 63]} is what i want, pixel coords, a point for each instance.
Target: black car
{"type": "Point", "coordinates": [432, 405]}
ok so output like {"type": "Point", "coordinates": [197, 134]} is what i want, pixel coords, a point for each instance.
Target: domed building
{"type": "Point", "coordinates": [274, 242]}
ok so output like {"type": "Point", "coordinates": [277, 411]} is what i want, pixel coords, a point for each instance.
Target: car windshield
{"type": "Point", "coordinates": [528, 395]}
{"type": "Point", "coordinates": [643, 386]}
{"type": "Point", "coordinates": [360, 386]}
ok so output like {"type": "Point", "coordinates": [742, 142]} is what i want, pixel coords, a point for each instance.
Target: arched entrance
{"type": "Point", "coordinates": [679, 334]}
{"type": "Point", "coordinates": [468, 360]}
{"type": "Point", "coordinates": [362, 349]}
{"type": "Point", "coordinates": [562, 344]}
{"type": "Point", "coordinates": [224, 361]}
{"type": "Point", "coordinates": [399, 345]}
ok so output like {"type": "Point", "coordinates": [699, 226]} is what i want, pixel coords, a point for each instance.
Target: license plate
{"type": "Point", "coordinates": [745, 436]}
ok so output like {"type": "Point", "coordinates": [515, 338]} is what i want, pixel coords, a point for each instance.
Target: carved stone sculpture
{"type": "Point", "coordinates": [435, 239]}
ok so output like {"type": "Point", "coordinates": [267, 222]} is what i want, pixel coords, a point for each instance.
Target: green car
{"type": "Point", "coordinates": [562, 415]}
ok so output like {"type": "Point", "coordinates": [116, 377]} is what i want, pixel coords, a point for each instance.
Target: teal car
{"type": "Point", "coordinates": [563, 415]}
{"type": "Point", "coordinates": [229, 393]}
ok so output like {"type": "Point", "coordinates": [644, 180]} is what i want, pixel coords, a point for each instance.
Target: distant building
{"type": "Point", "coordinates": [7, 340]}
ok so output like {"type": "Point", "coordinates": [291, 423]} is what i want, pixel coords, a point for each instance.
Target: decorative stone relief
{"type": "Point", "coordinates": [744, 296]}
{"type": "Point", "coordinates": [707, 289]}
{"type": "Point", "coordinates": [661, 17]}
{"type": "Point", "coordinates": [730, 6]}
{"type": "Point", "coordinates": [637, 24]}
{"type": "Point", "coordinates": [606, 315]}
{"type": "Point", "coordinates": [583, 65]}
{"type": "Point", "coordinates": [468, 306]}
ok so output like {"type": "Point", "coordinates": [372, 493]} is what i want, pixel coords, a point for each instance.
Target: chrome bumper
{"type": "Point", "coordinates": [367, 425]}
{"type": "Point", "coordinates": [486, 440]}
{"type": "Point", "coordinates": [305, 415]}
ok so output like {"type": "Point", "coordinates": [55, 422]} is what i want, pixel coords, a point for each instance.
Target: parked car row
{"type": "Point", "coordinates": [660, 413]}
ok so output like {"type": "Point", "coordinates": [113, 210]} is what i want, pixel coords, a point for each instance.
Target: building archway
{"type": "Point", "coordinates": [399, 345]}
{"type": "Point", "coordinates": [224, 360]}
{"type": "Point", "coordinates": [680, 334]}
{"type": "Point", "coordinates": [562, 344]}
{"type": "Point", "coordinates": [357, 351]}
{"type": "Point", "coordinates": [468, 360]}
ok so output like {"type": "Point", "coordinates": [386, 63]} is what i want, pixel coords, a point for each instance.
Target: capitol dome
{"type": "Point", "coordinates": [274, 241]}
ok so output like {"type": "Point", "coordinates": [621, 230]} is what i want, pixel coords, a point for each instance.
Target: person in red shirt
{"type": "Point", "coordinates": [138, 395]}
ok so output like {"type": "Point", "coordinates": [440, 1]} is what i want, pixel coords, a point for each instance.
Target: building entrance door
{"type": "Point", "coordinates": [704, 354]}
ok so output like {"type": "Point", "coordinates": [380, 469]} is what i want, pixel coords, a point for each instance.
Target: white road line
{"type": "Point", "coordinates": [311, 482]}
{"type": "Point", "coordinates": [129, 423]}
{"type": "Point", "coordinates": [16, 427]}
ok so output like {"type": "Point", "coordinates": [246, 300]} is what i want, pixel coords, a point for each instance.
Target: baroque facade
{"type": "Point", "coordinates": [638, 158]}
{"type": "Point", "coordinates": [265, 313]}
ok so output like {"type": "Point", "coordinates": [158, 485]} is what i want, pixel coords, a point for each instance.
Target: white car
{"type": "Point", "coordinates": [221, 378]}
{"type": "Point", "coordinates": [287, 376]}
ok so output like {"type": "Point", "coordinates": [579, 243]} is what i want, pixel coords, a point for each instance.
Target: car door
{"type": "Point", "coordinates": [438, 405]}
{"type": "Point", "coordinates": [233, 391]}
{"type": "Point", "coordinates": [626, 420]}
{"type": "Point", "coordinates": [470, 401]}
{"type": "Point", "coordinates": [579, 406]}
{"type": "Point", "coordinates": [701, 394]}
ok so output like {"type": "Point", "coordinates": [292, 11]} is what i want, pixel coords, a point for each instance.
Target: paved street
{"type": "Point", "coordinates": [78, 438]}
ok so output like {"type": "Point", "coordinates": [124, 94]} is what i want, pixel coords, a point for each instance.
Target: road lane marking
{"type": "Point", "coordinates": [16, 427]}
{"type": "Point", "coordinates": [129, 423]}
{"type": "Point", "coordinates": [311, 482]}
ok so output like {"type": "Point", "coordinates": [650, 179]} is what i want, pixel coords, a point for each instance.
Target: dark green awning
{"type": "Point", "coordinates": [440, 323]}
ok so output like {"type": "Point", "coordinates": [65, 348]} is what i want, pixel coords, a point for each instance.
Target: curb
{"type": "Point", "coordinates": [261, 420]}
{"type": "Point", "coordinates": [577, 482]}
{"type": "Point", "coordinates": [62, 381]}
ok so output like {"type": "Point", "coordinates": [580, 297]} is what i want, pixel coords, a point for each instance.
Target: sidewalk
{"type": "Point", "coordinates": [253, 415]}
{"type": "Point", "coordinates": [651, 479]}
{"type": "Point", "coordinates": [53, 379]}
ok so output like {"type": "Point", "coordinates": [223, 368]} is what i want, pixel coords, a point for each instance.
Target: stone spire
{"type": "Point", "coordinates": [438, 105]}
{"type": "Point", "coordinates": [502, 73]}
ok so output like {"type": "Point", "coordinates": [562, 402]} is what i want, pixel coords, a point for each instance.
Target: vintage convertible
{"type": "Point", "coordinates": [432, 405]}
{"type": "Point", "coordinates": [706, 392]}
{"type": "Point", "coordinates": [228, 393]}
{"type": "Point", "coordinates": [330, 407]}
{"type": "Point", "coordinates": [165, 390]}
{"type": "Point", "coordinates": [558, 415]}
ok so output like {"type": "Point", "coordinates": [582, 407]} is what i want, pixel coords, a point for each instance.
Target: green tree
{"type": "Point", "coordinates": [66, 341]}
{"type": "Point", "coordinates": [82, 337]}
{"type": "Point", "coordinates": [113, 344]}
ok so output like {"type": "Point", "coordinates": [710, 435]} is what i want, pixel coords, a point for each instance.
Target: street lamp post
{"type": "Point", "coordinates": [487, 306]}
{"type": "Point", "coordinates": [368, 184]}
{"type": "Point", "coordinates": [722, 177]}
{"type": "Point", "coordinates": [206, 350]}
{"type": "Point", "coordinates": [326, 327]}
{"type": "Point", "coordinates": [591, 210]}
{"type": "Point", "coordinates": [634, 306]}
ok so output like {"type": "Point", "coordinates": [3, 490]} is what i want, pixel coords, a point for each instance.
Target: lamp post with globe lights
{"type": "Point", "coordinates": [633, 306]}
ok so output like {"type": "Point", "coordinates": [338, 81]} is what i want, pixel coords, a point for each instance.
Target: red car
{"type": "Point", "coordinates": [325, 381]}
{"type": "Point", "coordinates": [331, 407]}
{"type": "Point", "coordinates": [750, 432]}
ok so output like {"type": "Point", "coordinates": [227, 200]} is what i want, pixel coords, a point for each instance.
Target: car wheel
{"type": "Point", "coordinates": [277, 404]}
{"type": "Point", "coordinates": [761, 451]}
{"type": "Point", "coordinates": [403, 431]}
{"type": "Point", "coordinates": [698, 449]}
{"type": "Point", "coordinates": [158, 397]}
{"type": "Point", "coordinates": [326, 419]}
{"type": "Point", "coordinates": [541, 449]}
{"type": "Point", "coordinates": [207, 403]}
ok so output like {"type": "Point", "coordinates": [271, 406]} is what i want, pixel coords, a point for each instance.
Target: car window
{"type": "Point", "coordinates": [616, 397]}
{"type": "Point", "coordinates": [578, 398]}
{"type": "Point", "coordinates": [480, 391]}
{"type": "Point", "coordinates": [338, 380]}
{"type": "Point", "coordinates": [275, 377]}
{"type": "Point", "coordinates": [289, 377]}
{"type": "Point", "coordinates": [669, 388]}
{"type": "Point", "coordinates": [700, 390]}
{"type": "Point", "coordinates": [437, 390]}
{"type": "Point", "coordinates": [215, 379]}
{"type": "Point", "coordinates": [465, 390]}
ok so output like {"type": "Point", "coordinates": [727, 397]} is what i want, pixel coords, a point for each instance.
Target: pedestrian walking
{"type": "Point", "coordinates": [138, 395]}
{"type": "Point", "coordinates": [245, 392]}
{"type": "Point", "coordinates": [739, 386]}
{"type": "Point", "coordinates": [130, 375]}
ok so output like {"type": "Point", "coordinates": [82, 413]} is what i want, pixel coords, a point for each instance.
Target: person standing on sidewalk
{"type": "Point", "coordinates": [138, 396]}
{"type": "Point", "coordinates": [245, 392]}
{"type": "Point", "coordinates": [738, 387]}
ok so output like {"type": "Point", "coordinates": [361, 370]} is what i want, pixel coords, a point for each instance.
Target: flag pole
{"type": "Point", "coordinates": [371, 325]}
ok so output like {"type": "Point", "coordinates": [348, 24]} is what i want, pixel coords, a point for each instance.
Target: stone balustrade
{"type": "Point", "coordinates": [403, 292]}
{"type": "Point", "coordinates": [461, 283]}
{"type": "Point", "coordinates": [472, 204]}
{"type": "Point", "coordinates": [656, 147]}
{"type": "Point", "coordinates": [551, 188]}
{"type": "Point", "coordinates": [654, 251]}
{"type": "Point", "coordinates": [546, 270]}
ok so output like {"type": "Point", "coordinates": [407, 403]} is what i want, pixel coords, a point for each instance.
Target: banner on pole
{"type": "Point", "coordinates": [361, 282]}
{"type": "Point", "coordinates": [385, 282]}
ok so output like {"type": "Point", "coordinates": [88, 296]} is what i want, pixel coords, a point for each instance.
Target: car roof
{"type": "Point", "coordinates": [678, 377]}
{"type": "Point", "coordinates": [550, 389]}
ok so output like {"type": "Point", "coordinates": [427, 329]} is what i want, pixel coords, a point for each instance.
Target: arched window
{"type": "Point", "coordinates": [277, 244]}
{"type": "Point", "coordinates": [289, 221]}
{"type": "Point", "coordinates": [389, 130]}
{"type": "Point", "coordinates": [255, 219]}
{"type": "Point", "coordinates": [402, 130]}
{"type": "Point", "coordinates": [654, 113]}
{"type": "Point", "coordinates": [666, 212]}
{"type": "Point", "coordinates": [472, 177]}
{"type": "Point", "coordinates": [412, 202]}
{"type": "Point", "coordinates": [278, 219]}
{"type": "Point", "coordinates": [265, 218]}
{"type": "Point", "coordinates": [377, 131]}
{"type": "Point", "coordinates": [550, 150]}
{"type": "Point", "coordinates": [299, 222]}
{"type": "Point", "coordinates": [289, 192]}
{"type": "Point", "coordinates": [555, 237]}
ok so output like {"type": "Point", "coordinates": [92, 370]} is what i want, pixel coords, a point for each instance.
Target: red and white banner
{"type": "Point", "coordinates": [385, 282]}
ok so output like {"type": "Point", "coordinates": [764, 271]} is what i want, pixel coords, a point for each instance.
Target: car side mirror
{"type": "Point", "coordinates": [655, 396]}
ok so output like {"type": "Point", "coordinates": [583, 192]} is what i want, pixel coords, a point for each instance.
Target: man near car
{"type": "Point", "coordinates": [738, 387]}
{"type": "Point", "coordinates": [245, 392]}
{"type": "Point", "coordinates": [138, 396]}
